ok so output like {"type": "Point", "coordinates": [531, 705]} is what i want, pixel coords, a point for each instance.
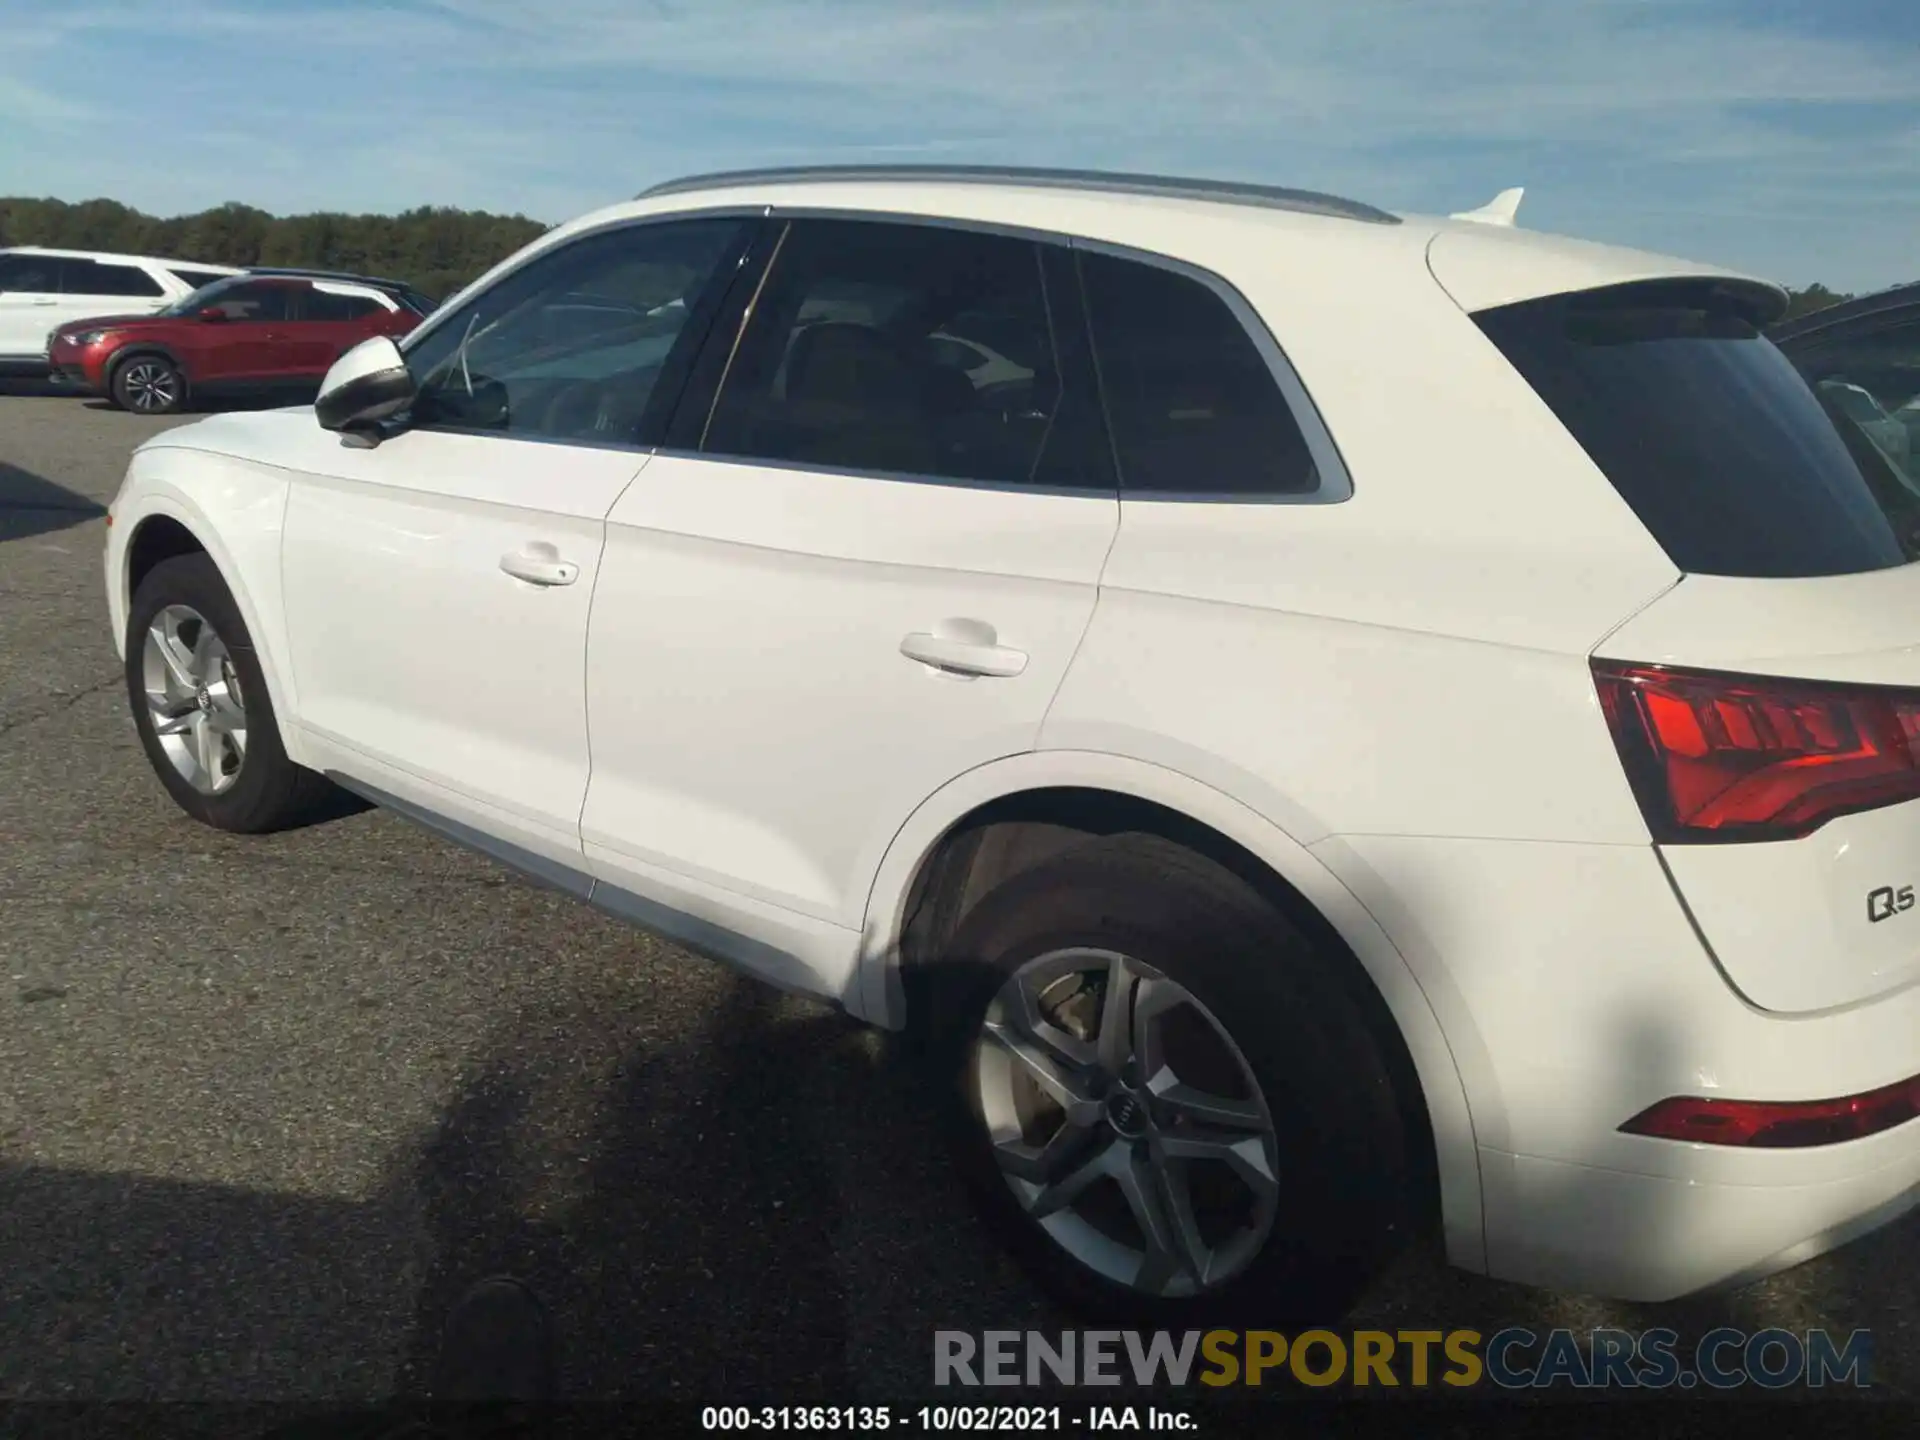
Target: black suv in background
{"type": "Point", "coordinates": [1863, 357]}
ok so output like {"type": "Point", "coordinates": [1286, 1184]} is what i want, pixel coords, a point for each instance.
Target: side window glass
{"type": "Point", "coordinates": [29, 275]}
{"type": "Point", "coordinates": [1869, 381]}
{"type": "Point", "coordinates": [904, 349]}
{"type": "Point", "coordinates": [1193, 406]}
{"type": "Point", "coordinates": [338, 305]}
{"type": "Point", "coordinates": [194, 279]}
{"type": "Point", "coordinates": [571, 345]}
{"type": "Point", "coordinates": [95, 277]}
{"type": "Point", "coordinates": [255, 302]}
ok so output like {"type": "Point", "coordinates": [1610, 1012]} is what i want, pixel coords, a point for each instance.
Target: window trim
{"type": "Point", "coordinates": [444, 311]}
{"type": "Point", "coordinates": [785, 216]}
{"type": "Point", "coordinates": [1336, 482]}
{"type": "Point", "coordinates": [753, 216]}
{"type": "Point", "coordinates": [160, 291]}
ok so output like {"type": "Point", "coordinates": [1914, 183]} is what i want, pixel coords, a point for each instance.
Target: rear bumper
{"type": "Point", "coordinates": [23, 367]}
{"type": "Point", "coordinates": [1651, 1238]}
{"type": "Point", "coordinates": [1574, 994]}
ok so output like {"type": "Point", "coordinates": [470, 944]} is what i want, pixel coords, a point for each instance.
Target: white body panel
{"type": "Point", "coordinates": [412, 643]}
{"type": "Point", "coordinates": [27, 318]}
{"type": "Point", "coordinates": [1766, 908]}
{"type": "Point", "coordinates": [756, 726]}
{"type": "Point", "coordinates": [1386, 700]}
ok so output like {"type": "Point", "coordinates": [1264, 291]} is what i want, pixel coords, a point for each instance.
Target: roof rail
{"type": "Point", "coordinates": [1232, 192]}
{"type": "Point", "coordinates": [298, 272]}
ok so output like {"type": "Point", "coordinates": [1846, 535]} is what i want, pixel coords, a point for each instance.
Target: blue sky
{"type": "Point", "coordinates": [1778, 137]}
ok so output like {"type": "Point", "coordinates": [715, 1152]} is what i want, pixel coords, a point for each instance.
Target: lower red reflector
{"type": "Point", "coordinates": [1779, 1125]}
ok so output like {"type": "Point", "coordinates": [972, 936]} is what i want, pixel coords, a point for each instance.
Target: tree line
{"type": "Point", "coordinates": [434, 248]}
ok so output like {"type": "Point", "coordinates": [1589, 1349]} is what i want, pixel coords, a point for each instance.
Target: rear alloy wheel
{"type": "Point", "coordinates": [1165, 1099]}
{"type": "Point", "coordinates": [1093, 1067]}
{"type": "Point", "coordinates": [149, 385]}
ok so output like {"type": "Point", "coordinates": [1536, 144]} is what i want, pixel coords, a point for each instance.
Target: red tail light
{"type": "Point", "coordinates": [1777, 1124]}
{"type": "Point", "coordinates": [1740, 757]}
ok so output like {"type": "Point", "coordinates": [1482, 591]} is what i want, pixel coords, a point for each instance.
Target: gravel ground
{"type": "Point", "coordinates": [266, 1103]}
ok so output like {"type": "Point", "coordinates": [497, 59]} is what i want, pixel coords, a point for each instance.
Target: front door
{"type": "Point", "coordinates": [437, 586]}
{"type": "Point", "coordinates": [868, 578]}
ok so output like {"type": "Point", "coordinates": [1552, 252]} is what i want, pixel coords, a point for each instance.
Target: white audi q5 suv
{"type": "Point", "coordinates": [1360, 722]}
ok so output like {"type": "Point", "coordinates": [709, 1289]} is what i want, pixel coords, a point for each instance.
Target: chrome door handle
{"type": "Point", "coordinates": [540, 564]}
{"type": "Point", "coordinates": [968, 648]}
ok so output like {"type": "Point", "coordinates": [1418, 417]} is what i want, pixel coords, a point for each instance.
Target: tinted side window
{"type": "Point", "coordinates": [907, 349]}
{"type": "Point", "coordinates": [258, 301]}
{"type": "Point", "coordinates": [194, 279]}
{"type": "Point", "coordinates": [572, 344]}
{"type": "Point", "coordinates": [1192, 403]}
{"type": "Point", "coordinates": [30, 274]}
{"type": "Point", "coordinates": [1870, 372]}
{"type": "Point", "coordinates": [324, 304]}
{"type": "Point", "coordinates": [94, 277]}
{"type": "Point", "coordinates": [1732, 462]}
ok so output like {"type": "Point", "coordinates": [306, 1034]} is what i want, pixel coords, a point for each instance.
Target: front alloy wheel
{"type": "Point", "coordinates": [149, 387]}
{"type": "Point", "coordinates": [1127, 1123]}
{"type": "Point", "coordinates": [194, 699]}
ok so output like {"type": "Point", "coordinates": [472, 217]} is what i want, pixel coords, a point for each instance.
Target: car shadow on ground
{"type": "Point", "coordinates": [31, 505]}
{"type": "Point", "coordinates": [756, 1212]}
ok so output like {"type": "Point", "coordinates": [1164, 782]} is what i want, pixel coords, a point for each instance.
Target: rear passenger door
{"type": "Point", "coordinates": [248, 344]}
{"type": "Point", "coordinates": [333, 319]}
{"type": "Point", "coordinates": [859, 573]}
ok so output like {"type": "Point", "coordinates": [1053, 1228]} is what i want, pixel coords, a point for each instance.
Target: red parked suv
{"type": "Point", "coordinates": [263, 331]}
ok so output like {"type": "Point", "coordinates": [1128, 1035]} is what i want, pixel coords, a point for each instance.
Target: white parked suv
{"type": "Point", "coordinates": [1289, 819]}
{"type": "Point", "coordinates": [42, 289]}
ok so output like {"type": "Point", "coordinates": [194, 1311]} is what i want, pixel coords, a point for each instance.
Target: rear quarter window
{"type": "Point", "coordinates": [1728, 456]}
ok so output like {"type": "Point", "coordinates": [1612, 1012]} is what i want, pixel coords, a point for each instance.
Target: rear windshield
{"type": "Point", "coordinates": [1732, 461]}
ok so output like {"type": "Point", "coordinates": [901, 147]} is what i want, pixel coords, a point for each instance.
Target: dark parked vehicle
{"type": "Point", "coordinates": [264, 331]}
{"type": "Point", "coordinates": [1864, 359]}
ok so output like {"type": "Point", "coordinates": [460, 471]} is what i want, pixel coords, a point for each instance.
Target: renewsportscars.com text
{"type": "Point", "coordinates": [1515, 1358]}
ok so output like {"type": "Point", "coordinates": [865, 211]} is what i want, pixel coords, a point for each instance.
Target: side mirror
{"type": "Point", "coordinates": [368, 384]}
{"type": "Point", "coordinates": [213, 312]}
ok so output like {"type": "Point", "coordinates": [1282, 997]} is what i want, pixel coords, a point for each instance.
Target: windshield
{"type": "Point", "coordinates": [198, 300]}
{"type": "Point", "coordinates": [1728, 456]}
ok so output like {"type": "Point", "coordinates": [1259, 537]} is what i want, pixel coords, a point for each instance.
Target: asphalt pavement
{"type": "Point", "coordinates": [267, 1103]}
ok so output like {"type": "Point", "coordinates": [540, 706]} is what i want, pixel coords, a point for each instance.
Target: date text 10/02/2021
{"type": "Point", "coordinates": [941, 1418]}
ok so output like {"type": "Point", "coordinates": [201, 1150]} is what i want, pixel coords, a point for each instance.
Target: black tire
{"type": "Point", "coordinates": [148, 384]}
{"type": "Point", "coordinates": [1345, 1202]}
{"type": "Point", "coordinates": [268, 791]}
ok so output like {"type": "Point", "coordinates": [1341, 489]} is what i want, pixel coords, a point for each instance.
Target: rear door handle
{"type": "Point", "coordinates": [539, 564]}
{"type": "Point", "coordinates": [967, 647]}
{"type": "Point", "coordinates": [43, 300]}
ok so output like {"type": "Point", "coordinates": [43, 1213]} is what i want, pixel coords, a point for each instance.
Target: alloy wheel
{"type": "Point", "coordinates": [150, 386]}
{"type": "Point", "coordinates": [194, 699]}
{"type": "Point", "coordinates": [1127, 1123]}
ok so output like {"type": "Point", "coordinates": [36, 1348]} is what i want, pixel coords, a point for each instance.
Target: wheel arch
{"type": "Point", "coordinates": [134, 349]}
{"type": "Point", "coordinates": [163, 522]}
{"type": "Point", "coordinates": [1000, 818]}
